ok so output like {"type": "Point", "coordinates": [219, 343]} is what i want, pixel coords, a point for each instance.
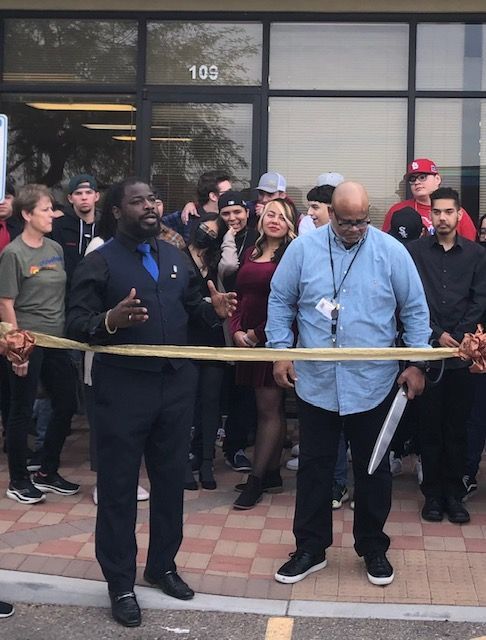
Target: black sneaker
{"type": "Point", "coordinates": [251, 494]}
{"type": "Point", "coordinates": [299, 566]}
{"type": "Point", "coordinates": [470, 485]}
{"type": "Point", "coordinates": [272, 483]}
{"type": "Point", "coordinates": [456, 511]}
{"type": "Point", "coordinates": [6, 609]}
{"type": "Point", "coordinates": [24, 492]}
{"type": "Point", "coordinates": [239, 462]}
{"type": "Point", "coordinates": [379, 570]}
{"type": "Point", "coordinates": [339, 495]}
{"type": "Point", "coordinates": [54, 483]}
{"type": "Point", "coordinates": [433, 510]}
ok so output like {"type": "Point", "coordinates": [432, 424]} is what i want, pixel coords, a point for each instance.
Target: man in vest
{"type": "Point", "coordinates": [139, 290]}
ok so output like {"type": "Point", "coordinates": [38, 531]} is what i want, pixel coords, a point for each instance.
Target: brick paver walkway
{"type": "Point", "coordinates": [236, 553]}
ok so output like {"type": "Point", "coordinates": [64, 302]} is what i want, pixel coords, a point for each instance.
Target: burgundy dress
{"type": "Point", "coordinates": [253, 288]}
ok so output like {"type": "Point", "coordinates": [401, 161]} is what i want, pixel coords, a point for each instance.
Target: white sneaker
{"type": "Point", "coordinates": [395, 464]}
{"type": "Point", "coordinates": [293, 464]}
{"type": "Point", "coordinates": [295, 450]}
{"type": "Point", "coordinates": [142, 494]}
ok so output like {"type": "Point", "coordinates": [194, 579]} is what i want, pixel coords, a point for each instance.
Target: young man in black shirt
{"type": "Point", "coordinates": [75, 230]}
{"type": "Point", "coordinates": [453, 272]}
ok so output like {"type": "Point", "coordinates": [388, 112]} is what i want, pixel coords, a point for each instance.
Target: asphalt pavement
{"type": "Point", "coordinates": [53, 622]}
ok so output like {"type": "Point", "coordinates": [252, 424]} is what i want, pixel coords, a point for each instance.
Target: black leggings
{"type": "Point", "coordinates": [55, 369]}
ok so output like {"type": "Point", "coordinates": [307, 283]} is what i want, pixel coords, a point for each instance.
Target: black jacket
{"type": "Point", "coordinates": [68, 231]}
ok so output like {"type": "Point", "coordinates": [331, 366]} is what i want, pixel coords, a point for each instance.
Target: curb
{"type": "Point", "coordinates": [37, 588]}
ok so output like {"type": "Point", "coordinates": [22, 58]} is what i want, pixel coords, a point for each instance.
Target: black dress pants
{"type": "Point", "coordinates": [4, 391]}
{"type": "Point", "coordinates": [207, 415]}
{"type": "Point", "coordinates": [55, 369]}
{"type": "Point", "coordinates": [444, 410]}
{"type": "Point", "coordinates": [320, 431]}
{"type": "Point", "coordinates": [140, 413]}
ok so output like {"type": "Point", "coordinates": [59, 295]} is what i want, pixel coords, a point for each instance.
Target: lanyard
{"type": "Point", "coordinates": [336, 290]}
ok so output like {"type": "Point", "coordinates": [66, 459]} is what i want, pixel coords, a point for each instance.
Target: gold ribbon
{"type": "Point", "coordinates": [243, 354]}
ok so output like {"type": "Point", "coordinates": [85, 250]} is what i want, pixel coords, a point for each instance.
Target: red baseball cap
{"type": "Point", "coordinates": [421, 165]}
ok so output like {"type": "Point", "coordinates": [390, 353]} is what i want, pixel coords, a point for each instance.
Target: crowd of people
{"type": "Point", "coordinates": [230, 271]}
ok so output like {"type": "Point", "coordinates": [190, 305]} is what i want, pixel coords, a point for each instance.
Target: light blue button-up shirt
{"type": "Point", "coordinates": [381, 280]}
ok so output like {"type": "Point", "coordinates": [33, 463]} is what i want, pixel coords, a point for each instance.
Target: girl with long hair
{"type": "Point", "coordinates": [277, 228]}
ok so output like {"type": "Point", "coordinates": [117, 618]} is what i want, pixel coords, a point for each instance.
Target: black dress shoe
{"type": "Point", "coordinates": [456, 512]}
{"type": "Point", "coordinates": [125, 609]}
{"type": "Point", "coordinates": [433, 510]}
{"type": "Point", "coordinates": [172, 584]}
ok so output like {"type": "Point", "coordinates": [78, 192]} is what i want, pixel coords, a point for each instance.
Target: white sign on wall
{"type": "Point", "coordinates": [3, 153]}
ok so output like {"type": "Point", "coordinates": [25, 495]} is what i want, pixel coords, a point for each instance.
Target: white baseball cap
{"type": "Point", "coordinates": [331, 178]}
{"type": "Point", "coordinates": [272, 182]}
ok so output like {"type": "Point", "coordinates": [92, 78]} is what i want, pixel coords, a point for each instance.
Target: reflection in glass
{"type": "Point", "coordinates": [189, 139]}
{"type": "Point", "coordinates": [451, 57]}
{"type": "Point", "coordinates": [449, 131]}
{"type": "Point", "coordinates": [60, 50]}
{"type": "Point", "coordinates": [50, 145]}
{"type": "Point", "coordinates": [195, 53]}
{"type": "Point", "coordinates": [338, 56]}
{"type": "Point", "coordinates": [363, 139]}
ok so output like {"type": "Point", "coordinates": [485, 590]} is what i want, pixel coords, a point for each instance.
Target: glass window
{"type": "Point", "coordinates": [189, 139]}
{"type": "Point", "coordinates": [449, 131]}
{"type": "Point", "coordinates": [363, 139]}
{"type": "Point", "coordinates": [195, 53]}
{"type": "Point", "coordinates": [51, 50]}
{"type": "Point", "coordinates": [451, 57]}
{"type": "Point", "coordinates": [338, 56]}
{"type": "Point", "coordinates": [53, 138]}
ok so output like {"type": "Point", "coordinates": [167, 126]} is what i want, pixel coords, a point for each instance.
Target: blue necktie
{"type": "Point", "coordinates": [148, 261]}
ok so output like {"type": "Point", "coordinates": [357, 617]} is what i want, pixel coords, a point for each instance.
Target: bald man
{"type": "Point", "coordinates": [344, 284]}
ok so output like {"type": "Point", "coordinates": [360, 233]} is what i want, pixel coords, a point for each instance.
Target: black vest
{"type": "Point", "coordinates": [164, 300]}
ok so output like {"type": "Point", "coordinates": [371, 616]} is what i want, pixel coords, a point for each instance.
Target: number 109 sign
{"type": "Point", "coordinates": [3, 154]}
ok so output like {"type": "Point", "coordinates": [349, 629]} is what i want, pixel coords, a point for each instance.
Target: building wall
{"type": "Point", "coordinates": [176, 91]}
{"type": "Point", "coordinates": [344, 6]}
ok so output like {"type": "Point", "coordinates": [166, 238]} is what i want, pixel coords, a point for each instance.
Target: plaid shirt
{"type": "Point", "coordinates": [172, 237]}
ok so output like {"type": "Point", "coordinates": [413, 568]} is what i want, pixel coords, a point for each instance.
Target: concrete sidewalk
{"type": "Point", "coordinates": [231, 553]}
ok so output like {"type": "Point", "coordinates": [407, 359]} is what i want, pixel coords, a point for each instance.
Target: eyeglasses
{"type": "Point", "coordinates": [418, 177]}
{"type": "Point", "coordinates": [482, 232]}
{"type": "Point", "coordinates": [361, 223]}
{"type": "Point", "coordinates": [211, 232]}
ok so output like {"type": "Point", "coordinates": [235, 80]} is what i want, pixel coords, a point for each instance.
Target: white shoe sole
{"type": "Point", "coordinates": [380, 582]}
{"type": "Point", "coordinates": [23, 499]}
{"type": "Point", "coordinates": [301, 576]}
{"type": "Point", "coordinates": [293, 464]}
{"type": "Point", "coordinates": [337, 504]}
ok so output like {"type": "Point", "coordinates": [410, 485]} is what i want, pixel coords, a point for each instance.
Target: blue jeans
{"type": "Point", "coordinates": [42, 415]}
{"type": "Point", "coordinates": [341, 468]}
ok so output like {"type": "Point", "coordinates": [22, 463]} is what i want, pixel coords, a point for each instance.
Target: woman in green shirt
{"type": "Point", "coordinates": [32, 292]}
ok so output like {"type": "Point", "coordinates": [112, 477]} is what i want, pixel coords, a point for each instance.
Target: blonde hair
{"type": "Point", "coordinates": [289, 212]}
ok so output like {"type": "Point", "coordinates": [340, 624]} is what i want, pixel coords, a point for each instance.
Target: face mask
{"type": "Point", "coordinates": [202, 239]}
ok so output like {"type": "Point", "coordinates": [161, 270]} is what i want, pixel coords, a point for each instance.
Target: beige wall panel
{"type": "Point", "coordinates": [406, 6]}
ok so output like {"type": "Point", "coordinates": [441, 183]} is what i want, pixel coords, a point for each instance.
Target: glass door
{"type": "Point", "coordinates": [191, 135]}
